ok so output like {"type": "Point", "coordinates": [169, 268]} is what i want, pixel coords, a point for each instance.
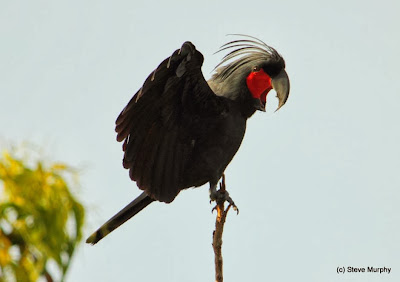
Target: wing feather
{"type": "Point", "coordinates": [157, 124]}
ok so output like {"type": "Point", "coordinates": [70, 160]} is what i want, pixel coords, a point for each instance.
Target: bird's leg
{"type": "Point", "coordinates": [221, 195]}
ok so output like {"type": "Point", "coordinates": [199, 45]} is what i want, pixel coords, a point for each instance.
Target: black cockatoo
{"type": "Point", "coordinates": [181, 131]}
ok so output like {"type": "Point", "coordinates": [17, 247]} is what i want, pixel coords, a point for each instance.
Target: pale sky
{"type": "Point", "coordinates": [317, 183]}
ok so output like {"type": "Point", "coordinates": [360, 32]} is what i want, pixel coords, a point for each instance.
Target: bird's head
{"type": "Point", "coordinates": [250, 71]}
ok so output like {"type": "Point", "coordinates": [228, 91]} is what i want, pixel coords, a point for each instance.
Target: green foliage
{"type": "Point", "coordinates": [40, 220]}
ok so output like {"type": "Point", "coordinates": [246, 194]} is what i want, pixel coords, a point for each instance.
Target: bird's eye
{"type": "Point", "coordinates": [256, 68]}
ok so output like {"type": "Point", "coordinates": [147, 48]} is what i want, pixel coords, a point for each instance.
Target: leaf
{"type": "Point", "coordinates": [45, 218]}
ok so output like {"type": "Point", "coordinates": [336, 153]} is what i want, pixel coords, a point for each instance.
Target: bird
{"type": "Point", "coordinates": [181, 131]}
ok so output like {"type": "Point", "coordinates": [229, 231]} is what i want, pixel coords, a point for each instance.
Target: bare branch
{"type": "Point", "coordinates": [217, 234]}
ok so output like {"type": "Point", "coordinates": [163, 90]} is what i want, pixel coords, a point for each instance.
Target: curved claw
{"type": "Point", "coordinates": [235, 208]}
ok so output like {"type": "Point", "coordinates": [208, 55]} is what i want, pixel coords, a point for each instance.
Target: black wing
{"type": "Point", "coordinates": [161, 123]}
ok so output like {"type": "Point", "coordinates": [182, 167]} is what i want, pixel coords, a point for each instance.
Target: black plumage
{"type": "Point", "coordinates": [180, 131]}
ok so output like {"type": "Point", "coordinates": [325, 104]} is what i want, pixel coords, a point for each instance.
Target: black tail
{"type": "Point", "coordinates": [123, 215]}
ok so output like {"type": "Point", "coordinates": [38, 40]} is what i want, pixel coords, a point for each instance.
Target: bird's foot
{"type": "Point", "coordinates": [220, 196]}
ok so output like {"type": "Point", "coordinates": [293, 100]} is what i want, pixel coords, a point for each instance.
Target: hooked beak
{"type": "Point", "coordinates": [281, 85]}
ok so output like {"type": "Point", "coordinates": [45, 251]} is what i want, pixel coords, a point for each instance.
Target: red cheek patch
{"type": "Point", "coordinates": [259, 84]}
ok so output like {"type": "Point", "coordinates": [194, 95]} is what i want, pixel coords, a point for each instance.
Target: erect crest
{"type": "Point", "coordinates": [250, 49]}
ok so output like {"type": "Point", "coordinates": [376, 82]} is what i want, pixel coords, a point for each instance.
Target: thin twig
{"type": "Point", "coordinates": [217, 234]}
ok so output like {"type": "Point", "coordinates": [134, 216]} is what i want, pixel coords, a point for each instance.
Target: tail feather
{"type": "Point", "coordinates": [123, 215]}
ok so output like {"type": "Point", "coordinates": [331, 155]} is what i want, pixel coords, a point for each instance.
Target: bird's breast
{"type": "Point", "coordinates": [214, 149]}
